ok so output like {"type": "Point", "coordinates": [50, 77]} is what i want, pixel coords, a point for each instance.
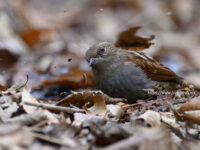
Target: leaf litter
{"type": "Point", "coordinates": [58, 107]}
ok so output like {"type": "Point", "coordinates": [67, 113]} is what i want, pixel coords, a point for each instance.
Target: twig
{"type": "Point", "coordinates": [54, 107]}
{"type": "Point", "coordinates": [65, 142]}
{"type": "Point", "coordinates": [42, 123]}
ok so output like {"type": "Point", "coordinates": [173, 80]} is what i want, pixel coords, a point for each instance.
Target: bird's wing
{"type": "Point", "coordinates": [152, 68]}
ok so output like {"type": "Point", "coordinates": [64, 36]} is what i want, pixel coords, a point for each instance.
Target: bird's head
{"type": "Point", "coordinates": [99, 53]}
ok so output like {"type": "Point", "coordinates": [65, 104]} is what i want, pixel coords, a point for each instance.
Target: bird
{"type": "Point", "coordinates": [128, 74]}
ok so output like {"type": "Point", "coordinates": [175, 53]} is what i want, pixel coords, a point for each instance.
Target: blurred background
{"type": "Point", "coordinates": [47, 39]}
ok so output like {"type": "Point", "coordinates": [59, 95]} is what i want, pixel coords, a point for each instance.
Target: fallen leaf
{"type": "Point", "coordinates": [2, 88]}
{"type": "Point", "coordinates": [158, 138]}
{"type": "Point", "coordinates": [28, 119]}
{"type": "Point", "coordinates": [129, 40]}
{"type": "Point", "coordinates": [191, 105]}
{"type": "Point", "coordinates": [6, 129]}
{"type": "Point", "coordinates": [115, 110]}
{"type": "Point", "coordinates": [8, 109]}
{"type": "Point", "coordinates": [7, 58]}
{"type": "Point", "coordinates": [33, 37]}
{"type": "Point", "coordinates": [169, 119]}
{"type": "Point", "coordinates": [81, 118]}
{"type": "Point", "coordinates": [189, 112]}
{"type": "Point", "coordinates": [94, 99]}
{"type": "Point", "coordinates": [149, 118]}
{"type": "Point", "coordinates": [191, 117]}
{"type": "Point", "coordinates": [17, 139]}
{"type": "Point", "coordinates": [75, 79]}
{"type": "Point", "coordinates": [27, 97]}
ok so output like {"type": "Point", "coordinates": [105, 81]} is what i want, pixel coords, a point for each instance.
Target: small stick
{"type": "Point", "coordinates": [66, 142]}
{"type": "Point", "coordinates": [54, 107]}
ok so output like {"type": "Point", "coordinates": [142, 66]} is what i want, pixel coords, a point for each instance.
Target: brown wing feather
{"type": "Point", "coordinates": [152, 68]}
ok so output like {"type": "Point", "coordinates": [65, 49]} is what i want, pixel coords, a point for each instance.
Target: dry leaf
{"type": "Point", "coordinates": [149, 118]}
{"type": "Point", "coordinates": [75, 79]}
{"type": "Point", "coordinates": [129, 40]}
{"type": "Point", "coordinates": [33, 37]}
{"type": "Point", "coordinates": [28, 119]}
{"type": "Point", "coordinates": [192, 104]}
{"type": "Point", "coordinates": [85, 99]}
{"type": "Point", "coordinates": [169, 119]}
{"type": "Point", "coordinates": [7, 109]}
{"type": "Point", "coordinates": [7, 58]}
{"type": "Point", "coordinates": [81, 118]}
{"type": "Point", "coordinates": [2, 88]}
{"type": "Point", "coordinates": [192, 117]}
{"type": "Point", "coordinates": [17, 140]}
{"type": "Point", "coordinates": [27, 97]}
{"type": "Point", "coordinates": [6, 129]}
{"type": "Point", "coordinates": [158, 138]}
{"type": "Point", "coordinates": [189, 112]}
{"type": "Point", "coordinates": [115, 110]}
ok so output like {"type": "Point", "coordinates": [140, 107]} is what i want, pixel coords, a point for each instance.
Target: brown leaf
{"type": "Point", "coordinates": [7, 58]}
{"type": "Point", "coordinates": [189, 112]}
{"type": "Point", "coordinates": [35, 36]}
{"type": "Point", "coordinates": [191, 105]}
{"type": "Point", "coordinates": [85, 99]}
{"type": "Point", "coordinates": [129, 40]}
{"type": "Point", "coordinates": [2, 88]}
{"type": "Point", "coordinates": [75, 79]}
{"type": "Point", "coordinates": [192, 117]}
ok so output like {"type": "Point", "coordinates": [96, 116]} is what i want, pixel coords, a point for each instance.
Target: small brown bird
{"type": "Point", "coordinates": [127, 74]}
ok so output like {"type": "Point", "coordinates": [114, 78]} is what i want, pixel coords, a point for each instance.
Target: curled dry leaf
{"type": "Point", "coordinates": [129, 40]}
{"type": "Point", "coordinates": [189, 112]}
{"type": "Point", "coordinates": [75, 79]}
{"type": "Point", "coordinates": [85, 99]}
{"type": "Point", "coordinates": [192, 117]}
{"type": "Point", "coordinates": [149, 118]}
{"type": "Point", "coordinates": [191, 105]}
{"type": "Point", "coordinates": [115, 110]}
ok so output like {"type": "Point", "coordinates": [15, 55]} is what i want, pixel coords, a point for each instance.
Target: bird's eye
{"type": "Point", "coordinates": [100, 51]}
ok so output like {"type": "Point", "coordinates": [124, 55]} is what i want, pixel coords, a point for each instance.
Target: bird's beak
{"type": "Point", "coordinates": [91, 62]}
